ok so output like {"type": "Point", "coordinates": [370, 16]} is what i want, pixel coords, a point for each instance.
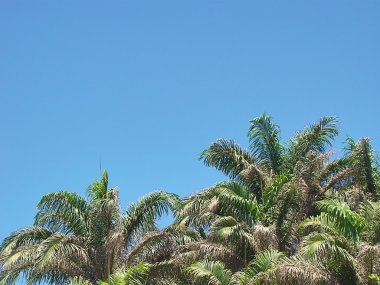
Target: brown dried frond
{"type": "Point", "coordinates": [265, 237]}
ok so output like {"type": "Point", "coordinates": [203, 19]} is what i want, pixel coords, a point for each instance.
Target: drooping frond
{"type": "Point", "coordinates": [183, 235]}
{"type": "Point", "coordinates": [265, 260]}
{"type": "Point", "coordinates": [210, 272]}
{"type": "Point", "coordinates": [65, 212]}
{"type": "Point", "coordinates": [321, 223]}
{"type": "Point", "coordinates": [255, 178]}
{"type": "Point", "coordinates": [224, 199]}
{"type": "Point", "coordinates": [235, 200]}
{"type": "Point", "coordinates": [333, 238]}
{"type": "Point", "coordinates": [227, 156]}
{"type": "Point", "coordinates": [153, 247]}
{"type": "Point", "coordinates": [229, 231]}
{"type": "Point", "coordinates": [211, 251]}
{"type": "Point", "coordinates": [196, 209]}
{"type": "Point", "coordinates": [349, 223]}
{"type": "Point", "coordinates": [141, 217]}
{"type": "Point", "coordinates": [273, 267]}
{"type": "Point", "coordinates": [297, 271]}
{"type": "Point", "coordinates": [40, 255]}
{"type": "Point", "coordinates": [325, 246]}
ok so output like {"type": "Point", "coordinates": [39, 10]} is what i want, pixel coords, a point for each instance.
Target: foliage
{"type": "Point", "coordinates": [75, 237]}
{"type": "Point", "coordinates": [289, 213]}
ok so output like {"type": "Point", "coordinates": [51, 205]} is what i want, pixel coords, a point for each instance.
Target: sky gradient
{"type": "Point", "coordinates": [142, 87]}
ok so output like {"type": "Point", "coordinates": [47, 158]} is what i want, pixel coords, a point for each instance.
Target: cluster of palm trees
{"type": "Point", "coordinates": [289, 213]}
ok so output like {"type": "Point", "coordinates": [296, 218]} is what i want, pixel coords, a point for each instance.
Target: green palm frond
{"type": "Point", "coordinates": [321, 223]}
{"type": "Point", "coordinates": [224, 199]}
{"type": "Point", "coordinates": [313, 138]}
{"type": "Point", "coordinates": [63, 212]}
{"type": "Point", "coordinates": [235, 200]}
{"type": "Point", "coordinates": [370, 211]}
{"type": "Point", "coordinates": [324, 246]}
{"type": "Point", "coordinates": [235, 234]}
{"type": "Point", "coordinates": [264, 261]}
{"type": "Point", "coordinates": [134, 275]}
{"type": "Point", "coordinates": [349, 223]}
{"type": "Point", "coordinates": [196, 209]}
{"type": "Point", "coordinates": [25, 237]}
{"type": "Point", "coordinates": [264, 136]}
{"type": "Point", "coordinates": [271, 191]}
{"type": "Point", "coordinates": [275, 268]}
{"type": "Point", "coordinates": [141, 217]}
{"type": "Point", "coordinates": [84, 239]}
{"type": "Point", "coordinates": [364, 163]}
{"type": "Point", "coordinates": [210, 272]}
{"type": "Point", "coordinates": [98, 189]}
{"type": "Point", "coordinates": [227, 156]}
{"type": "Point", "coordinates": [375, 279]}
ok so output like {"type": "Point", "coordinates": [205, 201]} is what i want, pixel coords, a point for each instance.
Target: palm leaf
{"type": "Point", "coordinates": [264, 136]}
{"type": "Point", "coordinates": [227, 156]}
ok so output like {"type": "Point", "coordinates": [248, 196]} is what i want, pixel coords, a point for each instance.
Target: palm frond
{"type": "Point", "coordinates": [154, 247]}
{"type": "Point", "coordinates": [64, 212]}
{"type": "Point", "coordinates": [364, 163]}
{"type": "Point", "coordinates": [134, 275]}
{"type": "Point", "coordinates": [264, 136]}
{"type": "Point", "coordinates": [98, 189]}
{"type": "Point", "coordinates": [141, 217]}
{"type": "Point", "coordinates": [348, 222]}
{"type": "Point", "coordinates": [325, 246]}
{"type": "Point", "coordinates": [210, 251]}
{"type": "Point", "coordinates": [227, 156]}
{"type": "Point", "coordinates": [210, 272]}
{"type": "Point", "coordinates": [313, 138]}
{"type": "Point", "coordinates": [265, 260]}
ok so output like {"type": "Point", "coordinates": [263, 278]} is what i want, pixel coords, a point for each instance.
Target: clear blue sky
{"type": "Point", "coordinates": [145, 86]}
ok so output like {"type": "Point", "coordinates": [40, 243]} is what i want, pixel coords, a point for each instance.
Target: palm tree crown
{"type": "Point", "coordinates": [84, 238]}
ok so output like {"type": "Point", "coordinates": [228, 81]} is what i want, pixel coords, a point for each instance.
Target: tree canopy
{"type": "Point", "coordinates": [287, 213]}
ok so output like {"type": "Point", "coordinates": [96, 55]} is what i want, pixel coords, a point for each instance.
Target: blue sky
{"type": "Point", "coordinates": [145, 86]}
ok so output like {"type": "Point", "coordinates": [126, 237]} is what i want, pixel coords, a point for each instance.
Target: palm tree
{"type": "Point", "coordinates": [228, 214]}
{"type": "Point", "coordinates": [289, 214]}
{"type": "Point", "coordinates": [75, 237]}
{"type": "Point", "coordinates": [364, 162]}
{"type": "Point", "coordinates": [266, 156]}
{"type": "Point", "coordinates": [347, 241]}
